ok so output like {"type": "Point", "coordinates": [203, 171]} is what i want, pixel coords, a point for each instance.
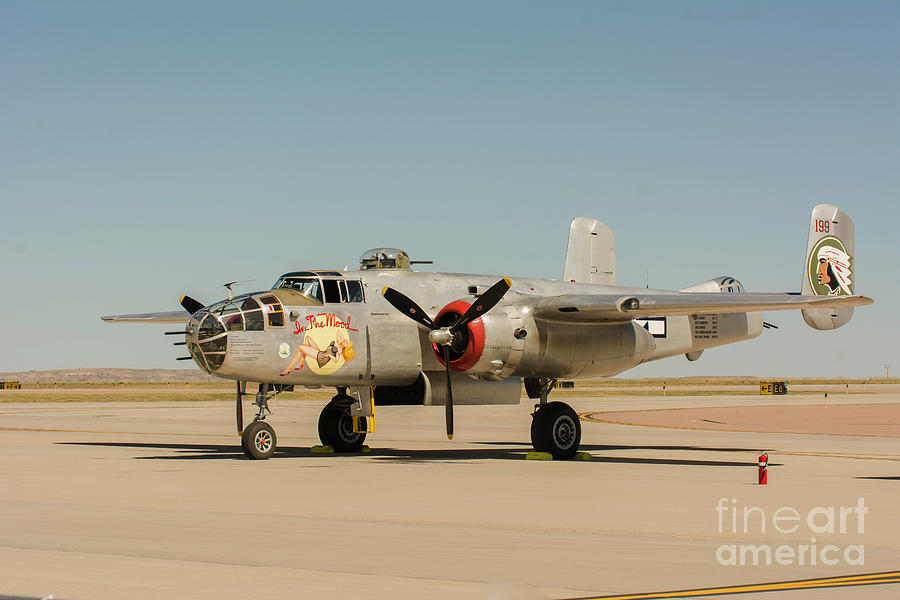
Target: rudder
{"type": "Point", "coordinates": [830, 268]}
{"type": "Point", "coordinates": [590, 253]}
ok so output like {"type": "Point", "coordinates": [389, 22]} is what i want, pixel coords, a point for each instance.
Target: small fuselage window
{"type": "Point", "coordinates": [354, 291]}
{"type": "Point", "coordinates": [273, 310]}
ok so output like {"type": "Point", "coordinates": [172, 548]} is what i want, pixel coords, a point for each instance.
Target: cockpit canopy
{"type": "Point", "coordinates": [384, 258]}
{"type": "Point", "coordinates": [316, 286]}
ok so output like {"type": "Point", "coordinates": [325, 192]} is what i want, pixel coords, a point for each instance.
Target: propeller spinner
{"type": "Point", "coordinates": [447, 336]}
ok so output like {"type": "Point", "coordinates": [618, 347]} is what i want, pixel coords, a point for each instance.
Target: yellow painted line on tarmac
{"type": "Point", "coordinates": [838, 454]}
{"type": "Point", "coordinates": [871, 456]}
{"type": "Point", "coordinates": [589, 416]}
{"type": "Point", "coordinates": [833, 455]}
{"type": "Point", "coordinates": [779, 586]}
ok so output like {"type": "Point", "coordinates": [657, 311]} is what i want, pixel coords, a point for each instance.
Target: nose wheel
{"type": "Point", "coordinates": [556, 428]}
{"type": "Point", "coordinates": [258, 441]}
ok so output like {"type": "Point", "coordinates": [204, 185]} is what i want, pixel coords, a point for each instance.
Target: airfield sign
{"type": "Point", "coordinates": [773, 388]}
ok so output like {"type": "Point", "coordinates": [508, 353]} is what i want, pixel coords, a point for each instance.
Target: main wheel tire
{"type": "Point", "coordinates": [556, 429]}
{"type": "Point", "coordinates": [336, 430]}
{"type": "Point", "coordinates": [537, 439]}
{"type": "Point", "coordinates": [258, 441]}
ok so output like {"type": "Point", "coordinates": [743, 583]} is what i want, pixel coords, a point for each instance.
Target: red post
{"type": "Point", "coordinates": [763, 468]}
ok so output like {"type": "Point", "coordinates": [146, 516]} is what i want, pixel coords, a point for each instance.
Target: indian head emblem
{"type": "Point", "coordinates": [829, 268]}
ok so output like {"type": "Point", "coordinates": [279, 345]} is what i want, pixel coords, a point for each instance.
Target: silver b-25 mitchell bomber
{"type": "Point", "coordinates": [386, 334]}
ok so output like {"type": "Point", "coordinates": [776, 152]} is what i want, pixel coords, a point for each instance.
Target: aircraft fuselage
{"type": "Point", "coordinates": [364, 341]}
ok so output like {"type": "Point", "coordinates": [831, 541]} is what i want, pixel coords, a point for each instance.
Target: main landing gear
{"type": "Point", "coordinates": [258, 440]}
{"type": "Point", "coordinates": [555, 426]}
{"type": "Point", "coordinates": [336, 424]}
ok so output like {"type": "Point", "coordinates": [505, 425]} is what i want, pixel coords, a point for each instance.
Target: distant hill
{"type": "Point", "coordinates": [110, 376]}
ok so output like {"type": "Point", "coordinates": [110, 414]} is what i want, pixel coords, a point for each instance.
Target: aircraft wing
{"type": "Point", "coordinates": [175, 316]}
{"type": "Point", "coordinates": [608, 308]}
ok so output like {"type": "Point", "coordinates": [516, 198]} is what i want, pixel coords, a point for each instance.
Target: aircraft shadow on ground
{"type": "Point", "coordinates": [882, 478]}
{"type": "Point", "coordinates": [509, 451]}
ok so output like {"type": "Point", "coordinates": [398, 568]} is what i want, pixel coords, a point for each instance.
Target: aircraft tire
{"type": "Point", "coordinates": [258, 441]}
{"type": "Point", "coordinates": [556, 429]}
{"type": "Point", "coordinates": [336, 430]}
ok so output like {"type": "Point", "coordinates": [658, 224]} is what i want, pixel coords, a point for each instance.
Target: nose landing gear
{"type": "Point", "coordinates": [258, 440]}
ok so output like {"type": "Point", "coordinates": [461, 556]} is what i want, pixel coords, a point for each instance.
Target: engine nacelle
{"type": "Point", "coordinates": [724, 284]}
{"type": "Point", "coordinates": [489, 346]}
{"type": "Point", "coordinates": [584, 351]}
{"type": "Point", "coordinates": [510, 343]}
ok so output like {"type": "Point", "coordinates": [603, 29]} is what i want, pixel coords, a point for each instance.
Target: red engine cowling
{"type": "Point", "coordinates": [469, 345]}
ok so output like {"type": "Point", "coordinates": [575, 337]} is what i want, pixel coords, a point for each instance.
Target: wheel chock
{"type": "Point", "coordinates": [365, 449]}
{"type": "Point", "coordinates": [322, 450]}
{"type": "Point", "coordinates": [548, 456]}
{"type": "Point", "coordinates": [538, 456]}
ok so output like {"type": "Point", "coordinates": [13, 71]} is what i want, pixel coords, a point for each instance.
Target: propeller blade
{"type": "Point", "coordinates": [409, 308]}
{"type": "Point", "coordinates": [190, 304]}
{"type": "Point", "coordinates": [483, 304]}
{"type": "Point", "coordinates": [239, 410]}
{"type": "Point", "coordinates": [448, 407]}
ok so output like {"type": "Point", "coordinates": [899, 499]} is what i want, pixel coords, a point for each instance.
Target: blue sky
{"type": "Point", "coordinates": [152, 149]}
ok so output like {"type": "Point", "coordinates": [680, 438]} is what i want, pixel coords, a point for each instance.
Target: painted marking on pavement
{"type": "Point", "coordinates": [779, 586]}
{"type": "Point", "coordinates": [590, 416]}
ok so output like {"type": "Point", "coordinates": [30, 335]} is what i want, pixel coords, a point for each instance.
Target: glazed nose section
{"type": "Point", "coordinates": [208, 342]}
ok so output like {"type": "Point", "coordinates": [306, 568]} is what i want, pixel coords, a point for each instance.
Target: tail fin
{"type": "Point", "coordinates": [591, 253]}
{"type": "Point", "coordinates": [830, 265]}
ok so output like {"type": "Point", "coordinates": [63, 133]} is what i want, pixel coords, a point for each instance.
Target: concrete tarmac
{"type": "Point", "coordinates": [155, 500]}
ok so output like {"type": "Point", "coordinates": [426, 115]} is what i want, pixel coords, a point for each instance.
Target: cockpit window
{"type": "Point", "coordinates": [308, 286]}
{"type": "Point", "coordinates": [332, 292]}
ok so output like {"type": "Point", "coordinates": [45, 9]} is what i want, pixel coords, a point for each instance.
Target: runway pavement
{"type": "Point", "coordinates": [155, 500]}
